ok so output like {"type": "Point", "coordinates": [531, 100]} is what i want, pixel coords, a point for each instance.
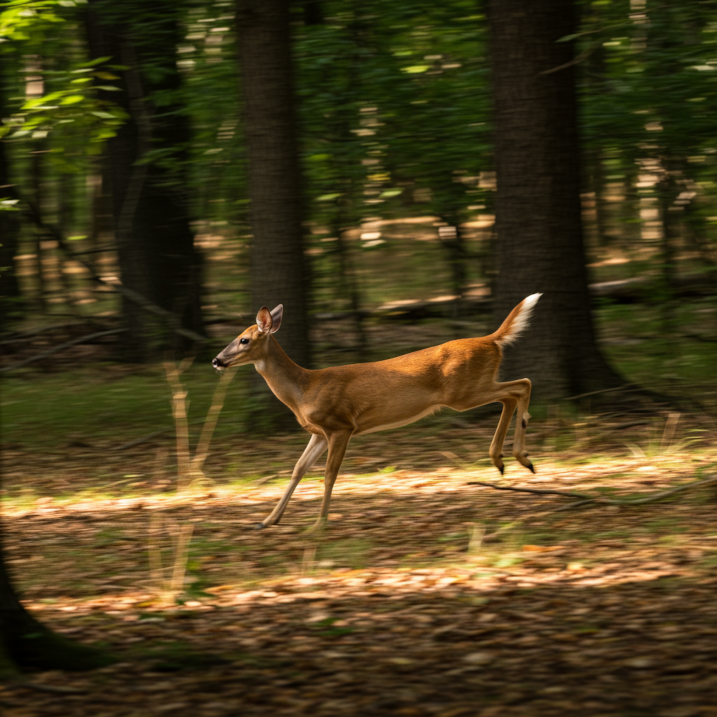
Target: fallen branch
{"type": "Point", "coordinates": [53, 689]}
{"type": "Point", "coordinates": [61, 347]}
{"type": "Point", "coordinates": [587, 498]}
{"type": "Point", "coordinates": [529, 490]}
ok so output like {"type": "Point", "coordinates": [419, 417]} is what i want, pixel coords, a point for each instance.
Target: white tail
{"type": "Point", "coordinates": [517, 321]}
{"type": "Point", "coordinates": [334, 404]}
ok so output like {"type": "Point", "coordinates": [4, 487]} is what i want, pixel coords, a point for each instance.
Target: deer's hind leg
{"type": "Point", "coordinates": [512, 394]}
{"type": "Point", "coordinates": [496, 446]}
{"type": "Point", "coordinates": [521, 424]}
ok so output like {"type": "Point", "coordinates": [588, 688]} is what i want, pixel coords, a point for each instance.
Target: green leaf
{"type": "Point", "coordinates": [72, 99]}
{"type": "Point", "coordinates": [34, 103]}
{"type": "Point", "coordinates": [388, 193]}
{"type": "Point", "coordinates": [98, 61]}
{"type": "Point", "coordinates": [416, 69]}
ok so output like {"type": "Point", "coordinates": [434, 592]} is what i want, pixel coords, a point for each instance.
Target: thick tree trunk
{"type": "Point", "coordinates": [279, 273]}
{"type": "Point", "coordinates": [27, 643]}
{"type": "Point", "coordinates": [538, 212]}
{"type": "Point", "coordinates": [155, 243]}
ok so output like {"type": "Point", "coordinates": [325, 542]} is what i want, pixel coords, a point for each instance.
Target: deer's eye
{"type": "Point", "coordinates": [243, 341]}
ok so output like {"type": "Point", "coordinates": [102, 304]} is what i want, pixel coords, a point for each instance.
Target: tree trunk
{"type": "Point", "coordinates": [155, 243]}
{"type": "Point", "coordinates": [25, 642]}
{"type": "Point", "coordinates": [11, 300]}
{"type": "Point", "coordinates": [279, 273]}
{"type": "Point", "coordinates": [538, 212]}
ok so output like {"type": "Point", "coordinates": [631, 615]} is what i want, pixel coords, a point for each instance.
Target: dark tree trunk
{"type": "Point", "coordinates": [11, 302]}
{"type": "Point", "coordinates": [538, 212]}
{"type": "Point", "coordinates": [279, 272]}
{"type": "Point", "coordinates": [150, 201]}
{"type": "Point", "coordinates": [27, 643]}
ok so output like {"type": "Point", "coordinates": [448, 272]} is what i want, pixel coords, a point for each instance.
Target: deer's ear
{"type": "Point", "coordinates": [276, 315]}
{"type": "Point", "coordinates": [264, 320]}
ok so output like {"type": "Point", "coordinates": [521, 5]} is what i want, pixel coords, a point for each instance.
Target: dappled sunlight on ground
{"type": "Point", "coordinates": [425, 595]}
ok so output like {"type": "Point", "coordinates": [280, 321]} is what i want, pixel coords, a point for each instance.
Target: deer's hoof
{"type": "Point", "coordinates": [530, 467]}
{"type": "Point", "coordinates": [260, 526]}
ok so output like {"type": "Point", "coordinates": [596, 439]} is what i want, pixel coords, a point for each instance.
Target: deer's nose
{"type": "Point", "coordinates": [217, 363]}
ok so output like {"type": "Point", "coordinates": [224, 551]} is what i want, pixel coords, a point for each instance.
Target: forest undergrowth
{"type": "Point", "coordinates": [425, 595]}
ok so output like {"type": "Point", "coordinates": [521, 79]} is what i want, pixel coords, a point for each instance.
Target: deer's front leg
{"type": "Point", "coordinates": [337, 449]}
{"type": "Point", "coordinates": [317, 445]}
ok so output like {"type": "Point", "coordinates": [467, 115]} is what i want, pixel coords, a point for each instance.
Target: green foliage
{"type": "Point", "coordinates": [73, 113]}
{"type": "Point", "coordinates": [648, 81]}
{"type": "Point", "coordinates": [28, 20]}
{"type": "Point", "coordinates": [59, 103]}
{"type": "Point", "coordinates": [394, 106]}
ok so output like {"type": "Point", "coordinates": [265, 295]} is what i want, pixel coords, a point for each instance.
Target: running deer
{"type": "Point", "coordinates": [334, 404]}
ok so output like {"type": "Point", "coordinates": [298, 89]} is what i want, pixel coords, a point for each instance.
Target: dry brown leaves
{"type": "Point", "coordinates": [399, 608]}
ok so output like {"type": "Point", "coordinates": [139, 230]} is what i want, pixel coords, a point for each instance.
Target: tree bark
{"type": "Point", "coordinates": [279, 272]}
{"type": "Point", "coordinates": [538, 212]}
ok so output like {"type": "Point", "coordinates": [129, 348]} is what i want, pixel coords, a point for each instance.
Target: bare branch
{"type": "Point", "coordinates": [61, 347]}
{"type": "Point", "coordinates": [53, 231]}
{"type": "Point", "coordinates": [530, 490]}
{"type": "Point", "coordinates": [585, 498]}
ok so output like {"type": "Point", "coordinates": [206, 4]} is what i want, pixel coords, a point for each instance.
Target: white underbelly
{"type": "Point", "coordinates": [402, 422]}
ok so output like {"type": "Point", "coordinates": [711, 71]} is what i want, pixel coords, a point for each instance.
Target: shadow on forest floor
{"type": "Point", "coordinates": [399, 607]}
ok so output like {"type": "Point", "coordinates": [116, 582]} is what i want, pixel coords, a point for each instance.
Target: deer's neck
{"type": "Point", "coordinates": [286, 379]}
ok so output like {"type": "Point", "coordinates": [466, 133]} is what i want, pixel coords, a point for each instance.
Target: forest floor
{"type": "Point", "coordinates": [425, 595]}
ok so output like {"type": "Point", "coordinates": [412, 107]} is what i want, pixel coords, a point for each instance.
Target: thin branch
{"type": "Point", "coordinates": [54, 689]}
{"type": "Point", "coordinates": [575, 61]}
{"type": "Point", "coordinates": [61, 347]}
{"type": "Point", "coordinates": [624, 387]}
{"type": "Point", "coordinates": [542, 514]}
{"type": "Point", "coordinates": [179, 412]}
{"type": "Point", "coordinates": [202, 450]}
{"type": "Point", "coordinates": [530, 490]}
{"type": "Point", "coordinates": [14, 338]}
{"type": "Point", "coordinates": [586, 498]}
{"type": "Point", "coordinates": [666, 493]}
{"type": "Point", "coordinates": [32, 212]}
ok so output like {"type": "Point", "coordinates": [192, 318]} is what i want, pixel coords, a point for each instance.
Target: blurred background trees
{"type": "Point", "coordinates": [168, 168]}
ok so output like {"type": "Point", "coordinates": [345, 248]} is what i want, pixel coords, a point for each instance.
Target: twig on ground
{"type": "Point", "coordinates": [55, 689]}
{"type": "Point", "coordinates": [586, 499]}
{"type": "Point", "coordinates": [569, 494]}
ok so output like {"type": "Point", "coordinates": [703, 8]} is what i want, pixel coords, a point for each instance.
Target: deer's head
{"type": "Point", "coordinates": [251, 345]}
